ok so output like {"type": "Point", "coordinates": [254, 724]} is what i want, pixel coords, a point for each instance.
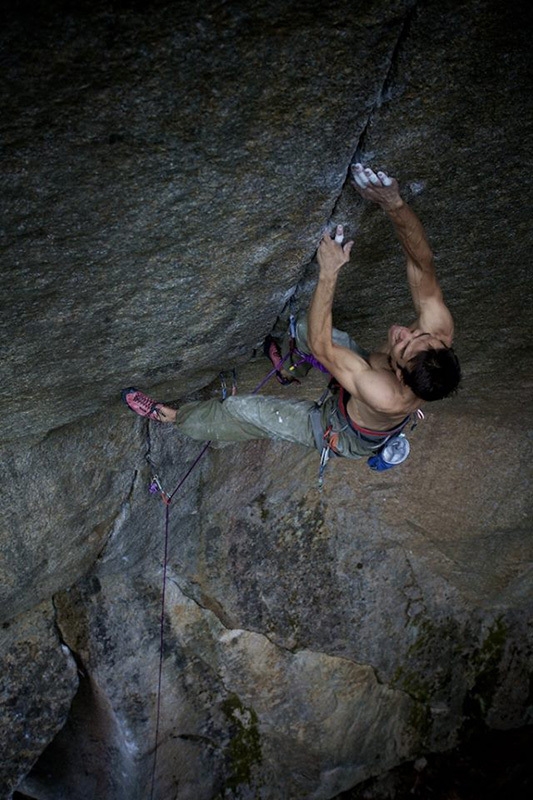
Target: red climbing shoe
{"type": "Point", "coordinates": [272, 351]}
{"type": "Point", "coordinates": [141, 403]}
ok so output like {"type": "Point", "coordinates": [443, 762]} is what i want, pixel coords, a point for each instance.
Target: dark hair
{"type": "Point", "coordinates": [433, 374]}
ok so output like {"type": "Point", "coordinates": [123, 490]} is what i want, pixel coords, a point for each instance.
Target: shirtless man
{"type": "Point", "coordinates": [409, 367]}
{"type": "Point", "coordinates": [378, 391]}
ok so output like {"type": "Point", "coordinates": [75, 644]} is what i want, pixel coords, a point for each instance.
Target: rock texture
{"type": "Point", "coordinates": [166, 179]}
{"type": "Point", "coordinates": [38, 682]}
{"type": "Point", "coordinates": [161, 166]}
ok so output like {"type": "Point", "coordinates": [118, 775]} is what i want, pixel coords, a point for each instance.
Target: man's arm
{"type": "Point", "coordinates": [349, 369]}
{"type": "Point", "coordinates": [433, 315]}
{"type": "Point", "coordinates": [331, 256]}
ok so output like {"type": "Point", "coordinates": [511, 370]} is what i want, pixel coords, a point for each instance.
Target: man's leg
{"type": "Point", "coordinates": [237, 419]}
{"type": "Point", "coordinates": [247, 417]}
{"type": "Point", "coordinates": [296, 367]}
{"type": "Point", "coordinates": [339, 337]}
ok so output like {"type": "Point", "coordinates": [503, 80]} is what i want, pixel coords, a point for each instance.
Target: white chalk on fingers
{"type": "Point", "coordinates": [385, 180]}
{"type": "Point", "coordinates": [358, 175]}
{"type": "Point", "coordinates": [372, 177]}
{"type": "Point", "coordinates": [339, 238]}
{"type": "Point", "coordinates": [361, 179]}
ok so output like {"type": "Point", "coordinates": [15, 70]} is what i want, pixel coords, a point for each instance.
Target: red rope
{"type": "Point", "coordinates": [167, 498]}
{"type": "Point", "coordinates": [161, 643]}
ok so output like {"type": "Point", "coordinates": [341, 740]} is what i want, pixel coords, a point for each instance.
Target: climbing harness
{"type": "Point", "coordinates": [392, 450]}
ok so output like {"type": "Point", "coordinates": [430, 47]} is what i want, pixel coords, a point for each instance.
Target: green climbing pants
{"type": "Point", "coordinates": [247, 417]}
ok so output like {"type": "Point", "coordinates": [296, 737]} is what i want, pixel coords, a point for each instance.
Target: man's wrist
{"type": "Point", "coordinates": [328, 278]}
{"type": "Point", "coordinates": [390, 208]}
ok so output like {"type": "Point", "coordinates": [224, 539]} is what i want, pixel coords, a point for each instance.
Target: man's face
{"type": "Point", "coordinates": [406, 343]}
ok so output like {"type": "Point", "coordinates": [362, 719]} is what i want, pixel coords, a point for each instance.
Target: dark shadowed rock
{"type": "Point", "coordinates": [167, 176]}
{"type": "Point", "coordinates": [38, 681]}
{"type": "Point", "coordinates": [62, 500]}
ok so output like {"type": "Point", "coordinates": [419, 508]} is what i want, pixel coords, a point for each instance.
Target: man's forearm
{"type": "Point", "coordinates": [411, 236]}
{"type": "Point", "coordinates": [331, 256]}
{"type": "Point", "coordinates": [319, 315]}
{"type": "Point", "coordinates": [384, 190]}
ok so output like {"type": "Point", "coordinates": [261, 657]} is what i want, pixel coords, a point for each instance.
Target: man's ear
{"type": "Point", "coordinates": [399, 373]}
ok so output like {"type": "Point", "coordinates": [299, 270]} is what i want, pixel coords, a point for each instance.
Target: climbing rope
{"type": "Point", "coordinates": [156, 487]}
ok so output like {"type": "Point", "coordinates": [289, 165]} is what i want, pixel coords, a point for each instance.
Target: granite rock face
{"type": "Point", "coordinates": [167, 176]}
{"type": "Point", "coordinates": [166, 179]}
{"type": "Point", "coordinates": [39, 679]}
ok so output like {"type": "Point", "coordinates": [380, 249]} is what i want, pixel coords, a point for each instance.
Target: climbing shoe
{"type": "Point", "coordinates": [141, 403]}
{"type": "Point", "coordinates": [273, 352]}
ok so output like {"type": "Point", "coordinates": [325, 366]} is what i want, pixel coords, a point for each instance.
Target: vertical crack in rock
{"type": "Point", "coordinates": [121, 517]}
{"type": "Point", "coordinates": [125, 506]}
{"type": "Point", "coordinates": [63, 641]}
{"type": "Point", "coordinates": [415, 605]}
{"type": "Point", "coordinates": [148, 442]}
{"type": "Point", "coordinates": [303, 287]}
{"type": "Point", "coordinates": [383, 95]}
{"type": "Point", "coordinates": [94, 728]}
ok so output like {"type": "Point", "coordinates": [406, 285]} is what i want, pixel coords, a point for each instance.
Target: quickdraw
{"type": "Point", "coordinates": [224, 385]}
{"type": "Point", "coordinates": [156, 486]}
{"type": "Point", "coordinates": [329, 439]}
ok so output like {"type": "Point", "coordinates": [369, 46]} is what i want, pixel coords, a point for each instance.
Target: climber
{"type": "Point", "coordinates": [378, 391]}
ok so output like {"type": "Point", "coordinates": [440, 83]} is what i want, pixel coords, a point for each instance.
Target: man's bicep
{"type": "Point", "coordinates": [422, 280]}
{"type": "Point", "coordinates": [344, 365]}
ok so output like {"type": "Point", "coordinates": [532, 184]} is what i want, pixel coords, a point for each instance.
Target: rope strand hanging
{"type": "Point", "coordinates": [156, 486]}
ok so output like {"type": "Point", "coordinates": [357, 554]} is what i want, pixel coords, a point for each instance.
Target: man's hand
{"type": "Point", "coordinates": [332, 253]}
{"type": "Point", "coordinates": [378, 187]}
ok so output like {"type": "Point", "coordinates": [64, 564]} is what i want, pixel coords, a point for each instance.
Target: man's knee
{"type": "Point", "coordinates": [302, 333]}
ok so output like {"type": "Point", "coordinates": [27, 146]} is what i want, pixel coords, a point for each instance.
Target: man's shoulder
{"type": "Point", "coordinates": [381, 390]}
{"type": "Point", "coordinates": [379, 394]}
